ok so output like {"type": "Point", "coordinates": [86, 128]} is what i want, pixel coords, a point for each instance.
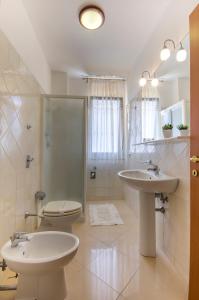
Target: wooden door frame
{"type": "Point", "coordinates": [194, 181]}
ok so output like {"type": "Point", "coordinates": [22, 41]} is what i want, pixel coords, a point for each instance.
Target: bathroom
{"type": "Point", "coordinates": [91, 122]}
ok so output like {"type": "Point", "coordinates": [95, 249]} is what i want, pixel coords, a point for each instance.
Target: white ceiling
{"type": "Point", "coordinates": [111, 50]}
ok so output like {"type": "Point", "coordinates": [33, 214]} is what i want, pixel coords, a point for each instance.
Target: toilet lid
{"type": "Point", "coordinates": [62, 207]}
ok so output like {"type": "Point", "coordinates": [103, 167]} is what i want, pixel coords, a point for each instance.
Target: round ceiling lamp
{"type": "Point", "coordinates": [91, 17]}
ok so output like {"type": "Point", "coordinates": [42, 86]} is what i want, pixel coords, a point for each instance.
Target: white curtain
{"type": "Point", "coordinates": [135, 124]}
{"type": "Point", "coordinates": [150, 119]}
{"type": "Point", "coordinates": [144, 121]}
{"type": "Point", "coordinates": [106, 119]}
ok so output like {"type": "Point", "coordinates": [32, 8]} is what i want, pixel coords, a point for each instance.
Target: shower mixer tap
{"type": "Point", "coordinates": [40, 195]}
{"type": "Point", "coordinates": [29, 159]}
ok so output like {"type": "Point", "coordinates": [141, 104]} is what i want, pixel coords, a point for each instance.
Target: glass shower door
{"type": "Point", "coordinates": [64, 143]}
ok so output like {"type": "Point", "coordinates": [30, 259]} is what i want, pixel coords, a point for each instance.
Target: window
{"type": "Point", "coordinates": [150, 119]}
{"type": "Point", "coordinates": [106, 128]}
{"type": "Point", "coordinates": [144, 121]}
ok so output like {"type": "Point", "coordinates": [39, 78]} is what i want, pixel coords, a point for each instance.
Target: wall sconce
{"type": "Point", "coordinates": [165, 53]}
{"type": "Point", "coordinates": [143, 79]}
{"type": "Point", "coordinates": [146, 76]}
{"type": "Point", "coordinates": [181, 55]}
{"type": "Point", "coordinates": [154, 82]}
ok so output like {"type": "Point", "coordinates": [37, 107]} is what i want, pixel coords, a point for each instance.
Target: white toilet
{"type": "Point", "coordinates": [59, 215]}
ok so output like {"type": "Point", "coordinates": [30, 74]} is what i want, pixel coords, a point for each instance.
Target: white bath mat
{"type": "Point", "coordinates": [104, 214]}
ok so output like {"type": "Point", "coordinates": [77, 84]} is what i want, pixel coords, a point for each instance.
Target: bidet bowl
{"type": "Point", "coordinates": [146, 181]}
{"type": "Point", "coordinates": [44, 252]}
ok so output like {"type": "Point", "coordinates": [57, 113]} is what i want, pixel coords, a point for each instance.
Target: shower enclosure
{"type": "Point", "coordinates": [64, 148]}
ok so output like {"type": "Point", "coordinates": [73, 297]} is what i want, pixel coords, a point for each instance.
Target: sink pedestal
{"type": "Point", "coordinates": [147, 224]}
{"type": "Point", "coordinates": [49, 286]}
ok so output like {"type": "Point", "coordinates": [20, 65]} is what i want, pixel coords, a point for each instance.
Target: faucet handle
{"type": "Point", "coordinates": [148, 162]}
{"type": "Point", "coordinates": [17, 235]}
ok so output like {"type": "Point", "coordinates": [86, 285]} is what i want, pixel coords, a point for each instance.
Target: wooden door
{"type": "Point", "coordinates": [194, 242]}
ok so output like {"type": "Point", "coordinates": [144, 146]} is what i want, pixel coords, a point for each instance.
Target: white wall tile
{"type": "Point", "coordinates": [107, 185]}
{"type": "Point", "coordinates": [17, 184]}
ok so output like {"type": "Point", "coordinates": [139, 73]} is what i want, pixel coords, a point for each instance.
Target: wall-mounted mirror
{"type": "Point", "coordinates": [169, 102]}
{"type": "Point", "coordinates": [174, 89]}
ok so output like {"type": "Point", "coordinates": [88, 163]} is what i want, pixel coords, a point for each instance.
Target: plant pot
{"type": "Point", "coordinates": [184, 132]}
{"type": "Point", "coordinates": [168, 133]}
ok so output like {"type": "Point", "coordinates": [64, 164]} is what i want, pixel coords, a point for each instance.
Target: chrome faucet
{"type": "Point", "coordinates": [152, 167]}
{"type": "Point", "coordinates": [18, 237]}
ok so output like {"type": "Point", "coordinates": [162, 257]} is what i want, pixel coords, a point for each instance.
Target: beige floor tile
{"type": "Point", "coordinates": [9, 295]}
{"type": "Point", "coordinates": [128, 243]}
{"type": "Point", "coordinates": [123, 208]}
{"type": "Point", "coordinates": [72, 268]}
{"type": "Point", "coordinates": [154, 281]}
{"type": "Point", "coordinates": [107, 234]}
{"type": "Point", "coordinates": [86, 286]}
{"type": "Point", "coordinates": [126, 247]}
{"type": "Point", "coordinates": [89, 250]}
{"type": "Point", "coordinates": [121, 298]}
{"type": "Point", "coordinates": [130, 220]}
{"type": "Point", "coordinates": [114, 268]}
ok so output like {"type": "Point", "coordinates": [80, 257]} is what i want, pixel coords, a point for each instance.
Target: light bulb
{"type": "Point", "coordinates": [165, 54]}
{"type": "Point", "coordinates": [154, 82]}
{"type": "Point", "coordinates": [142, 81]}
{"type": "Point", "coordinates": [181, 55]}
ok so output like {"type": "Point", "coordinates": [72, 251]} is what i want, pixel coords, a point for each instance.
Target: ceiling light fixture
{"type": "Point", "coordinates": [91, 17]}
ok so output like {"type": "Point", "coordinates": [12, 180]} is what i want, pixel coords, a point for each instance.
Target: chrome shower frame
{"type": "Point", "coordinates": [73, 97]}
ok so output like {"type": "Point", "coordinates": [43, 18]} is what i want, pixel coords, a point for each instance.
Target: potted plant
{"type": "Point", "coordinates": [183, 129]}
{"type": "Point", "coordinates": [167, 130]}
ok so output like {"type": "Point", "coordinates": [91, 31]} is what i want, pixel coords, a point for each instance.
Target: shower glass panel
{"type": "Point", "coordinates": [64, 143]}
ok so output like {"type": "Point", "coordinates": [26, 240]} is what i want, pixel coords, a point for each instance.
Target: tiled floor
{"type": "Point", "coordinates": [108, 266]}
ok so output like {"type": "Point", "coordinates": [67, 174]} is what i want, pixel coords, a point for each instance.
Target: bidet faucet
{"type": "Point", "coordinates": [152, 167]}
{"type": "Point", "coordinates": [18, 237]}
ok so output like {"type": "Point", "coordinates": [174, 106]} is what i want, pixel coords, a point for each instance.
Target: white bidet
{"type": "Point", "coordinates": [40, 262]}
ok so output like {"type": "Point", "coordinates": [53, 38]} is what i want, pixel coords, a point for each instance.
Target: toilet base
{"type": "Point", "coordinates": [61, 223]}
{"type": "Point", "coordinates": [49, 286]}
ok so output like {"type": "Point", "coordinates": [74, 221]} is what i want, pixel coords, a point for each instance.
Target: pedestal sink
{"type": "Point", "coordinates": [148, 183]}
{"type": "Point", "coordinates": [40, 264]}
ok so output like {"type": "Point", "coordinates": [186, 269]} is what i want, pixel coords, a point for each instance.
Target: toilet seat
{"type": "Point", "coordinates": [61, 208]}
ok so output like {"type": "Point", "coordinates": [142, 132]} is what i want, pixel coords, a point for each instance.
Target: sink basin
{"type": "Point", "coordinates": [146, 181]}
{"type": "Point", "coordinates": [40, 263]}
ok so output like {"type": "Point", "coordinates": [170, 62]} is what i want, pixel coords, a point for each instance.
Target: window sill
{"type": "Point", "coordinates": [176, 139]}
